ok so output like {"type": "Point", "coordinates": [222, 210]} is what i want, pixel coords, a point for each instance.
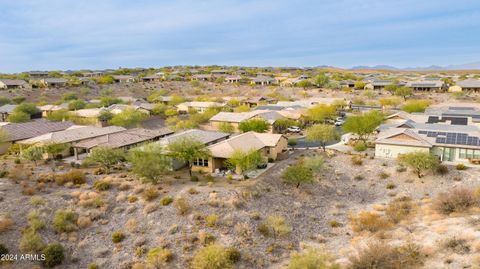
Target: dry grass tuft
{"type": "Point", "coordinates": [399, 209]}
{"type": "Point", "coordinates": [458, 200]}
{"type": "Point", "coordinates": [382, 255]}
{"type": "Point", "coordinates": [368, 221]}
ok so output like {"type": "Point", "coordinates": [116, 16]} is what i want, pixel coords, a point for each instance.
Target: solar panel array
{"type": "Point", "coordinates": [452, 138]}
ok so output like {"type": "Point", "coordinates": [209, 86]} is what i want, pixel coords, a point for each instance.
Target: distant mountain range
{"type": "Point", "coordinates": [468, 66]}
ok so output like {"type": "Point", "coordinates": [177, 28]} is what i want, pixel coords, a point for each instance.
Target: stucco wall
{"type": "Point", "coordinates": [392, 151]}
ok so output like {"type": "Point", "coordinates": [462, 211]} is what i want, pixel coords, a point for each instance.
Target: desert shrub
{"type": "Point", "coordinates": [166, 201]}
{"type": "Point", "coordinates": [94, 266]}
{"type": "Point", "coordinates": [211, 220]}
{"type": "Point", "coordinates": [384, 175]}
{"type": "Point", "coordinates": [158, 257]}
{"type": "Point", "coordinates": [5, 223]}
{"type": "Point", "coordinates": [76, 177]}
{"type": "Point", "coordinates": [357, 160]}
{"type": "Point", "coordinates": [334, 224]}
{"type": "Point", "coordinates": [181, 204]}
{"type": "Point", "coordinates": [457, 200]}
{"type": "Point", "coordinates": [359, 177]}
{"type": "Point", "coordinates": [399, 209]}
{"type": "Point", "coordinates": [192, 191]}
{"type": "Point", "coordinates": [37, 201]}
{"type": "Point", "coordinates": [150, 193]}
{"type": "Point", "coordinates": [3, 249]}
{"type": "Point", "coordinates": [442, 169]}
{"type": "Point", "coordinates": [406, 256]}
{"type": "Point", "coordinates": [457, 245]}
{"type": "Point", "coordinates": [102, 185]}
{"type": "Point", "coordinates": [233, 254]}
{"type": "Point", "coordinates": [312, 259]}
{"type": "Point", "coordinates": [460, 166]}
{"type": "Point", "coordinates": [117, 237]}
{"type": "Point", "coordinates": [368, 221]}
{"type": "Point", "coordinates": [390, 186]}
{"type": "Point", "coordinates": [30, 241]}
{"type": "Point", "coordinates": [53, 255]}
{"type": "Point", "coordinates": [360, 146]}
{"type": "Point", "coordinates": [401, 169]}
{"type": "Point", "coordinates": [84, 221]}
{"type": "Point", "coordinates": [35, 221]}
{"type": "Point", "coordinates": [64, 221]}
{"type": "Point", "coordinates": [206, 238]}
{"type": "Point", "coordinates": [149, 208]}
{"type": "Point", "coordinates": [194, 178]}
{"type": "Point", "coordinates": [275, 226]}
{"type": "Point", "coordinates": [132, 198]}
{"type": "Point", "coordinates": [211, 257]}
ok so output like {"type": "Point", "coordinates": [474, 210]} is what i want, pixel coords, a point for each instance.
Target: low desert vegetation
{"type": "Point", "coordinates": [313, 259]}
{"type": "Point", "coordinates": [457, 200]}
{"type": "Point", "coordinates": [368, 221]}
{"type": "Point", "coordinates": [382, 255]}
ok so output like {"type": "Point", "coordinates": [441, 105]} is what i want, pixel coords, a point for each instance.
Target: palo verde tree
{"type": "Point", "coordinates": [106, 157]}
{"type": "Point", "coordinates": [321, 80]}
{"type": "Point", "coordinates": [321, 133]}
{"type": "Point", "coordinates": [320, 113]}
{"type": "Point", "coordinates": [187, 150]}
{"type": "Point", "coordinates": [297, 174]}
{"type": "Point", "coordinates": [404, 92]}
{"type": "Point", "coordinates": [128, 118]}
{"type": "Point", "coordinates": [149, 162]}
{"type": "Point", "coordinates": [363, 125]}
{"type": "Point", "coordinates": [256, 125]}
{"type": "Point", "coordinates": [243, 162]}
{"type": "Point", "coordinates": [419, 161]}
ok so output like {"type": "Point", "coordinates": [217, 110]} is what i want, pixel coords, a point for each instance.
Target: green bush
{"type": "Point", "coordinates": [31, 241]}
{"type": "Point", "coordinates": [102, 185]}
{"type": "Point", "coordinates": [211, 257]}
{"type": "Point", "coordinates": [460, 166]}
{"type": "Point", "coordinates": [64, 221]}
{"type": "Point", "coordinates": [311, 258]}
{"type": "Point", "coordinates": [53, 255]}
{"type": "Point", "coordinates": [360, 146]}
{"type": "Point", "coordinates": [158, 257]}
{"type": "Point", "coordinates": [117, 237]}
{"type": "Point", "coordinates": [166, 201]}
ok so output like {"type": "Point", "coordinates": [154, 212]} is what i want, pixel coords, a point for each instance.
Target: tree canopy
{"type": "Point", "coordinates": [149, 162]}
{"type": "Point", "coordinates": [419, 161]}
{"type": "Point", "coordinates": [297, 174]}
{"type": "Point", "coordinates": [187, 150]}
{"type": "Point", "coordinates": [128, 118]}
{"type": "Point", "coordinates": [256, 125]}
{"type": "Point", "coordinates": [106, 157]}
{"type": "Point", "coordinates": [363, 125]}
{"type": "Point", "coordinates": [321, 133]}
{"type": "Point", "coordinates": [244, 161]}
{"type": "Point", "coordinates": [321, 112]}
{"type": "Point", "coordinates": [415, 106]}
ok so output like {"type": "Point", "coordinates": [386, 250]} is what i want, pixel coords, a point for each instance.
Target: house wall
{"type": "Point", "coordinates": [392, 151]}
{"type": "Point", "coordinates": [279, 148]}
{"type": "Point", "coordinates": [213, 163]}
{"type": "Point", "coordinates": [4, 147]}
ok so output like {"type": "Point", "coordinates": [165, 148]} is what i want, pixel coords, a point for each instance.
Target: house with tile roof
{"type": "Point", "coordinates": [124, 139]}
{"type": "Point", "coordinates": [271, 146]}
{"type": "Point", "coordinates": [12, 83]}
{"type": "Point", "coordinates": [20, 131]}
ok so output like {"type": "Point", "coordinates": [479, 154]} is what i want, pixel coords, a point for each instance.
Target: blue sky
{"type": "Point", "coordinates": [64, 34]}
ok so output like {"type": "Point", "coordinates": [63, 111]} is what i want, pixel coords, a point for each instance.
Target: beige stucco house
{"type": "Point", "coordinates": [269, 145]}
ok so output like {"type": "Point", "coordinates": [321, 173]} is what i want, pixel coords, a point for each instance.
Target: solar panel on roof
{"type": "Point", "coordinates": [441, 140]}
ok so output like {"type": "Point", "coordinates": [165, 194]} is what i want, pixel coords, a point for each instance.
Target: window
{"type": "Point", "coordinates": [463, 154]}
{"type": "Point", "coordinates": [200, 162]}
{"type": "Point", "coordinates": [476, 154]}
